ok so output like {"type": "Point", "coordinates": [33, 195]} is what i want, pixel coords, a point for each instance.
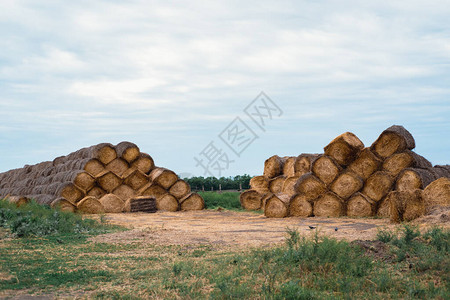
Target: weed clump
{"type": "Point", "coordinates": [35, 220]}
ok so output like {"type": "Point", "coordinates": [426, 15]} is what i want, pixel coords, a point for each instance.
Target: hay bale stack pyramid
{"type": "Point", "coordinates": [386, 179]}
{"type": "Point", "coordinates": [101, 179]}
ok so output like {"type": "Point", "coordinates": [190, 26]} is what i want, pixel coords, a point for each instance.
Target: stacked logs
{"type": "Point", "coordinates": [101, 178]}
{"type": "Point", "coordinates": [386, 179]}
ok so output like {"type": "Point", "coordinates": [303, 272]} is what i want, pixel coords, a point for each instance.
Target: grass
{"type": "Point", "coordinates": [47, 251]}
{"type": "Point", "coordinates": [226, 200]}
{"type": "Point", "coordinates": [316, 267]}
{"type": "Point", "coordinates": [33, 219]}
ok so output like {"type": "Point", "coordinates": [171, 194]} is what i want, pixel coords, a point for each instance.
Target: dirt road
{"type": "Point", "coordinates": [231, 228]}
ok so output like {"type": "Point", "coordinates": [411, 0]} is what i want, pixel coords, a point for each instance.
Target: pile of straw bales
{"type": "Point", "coordinates": [386, 179]}
{"type": "Point", "coordinates": [98, 179]}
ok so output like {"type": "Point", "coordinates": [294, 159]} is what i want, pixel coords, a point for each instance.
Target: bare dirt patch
{"type": "Point", "coordinates": [231, 228]}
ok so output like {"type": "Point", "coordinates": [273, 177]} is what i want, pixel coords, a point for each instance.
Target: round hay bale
{"type": "Point", "coordinates": [124, 192]}
{"type": "Point", "coordinates": [260, 184]}
{"type": "Point", "coordinates": [193, 201]}
{"type": "Point", "coordinates": [310, 186]}
{"type": "Point", "coordinates": [112, 203]}
{"type": "Point", "coordinates": [303, 163]}
{"type": "Point", "coordinates": [437, 194]}
{"type": "Point", "coordinates": [52, 188]}
{"type": "Point", "coordinates": [79, 164]}
{"type": "Point", "coordinates": [163, 177]}
{"type": "Point", "coordinates": [300, 207]}
{"type": "Point", "coordinates": [128, 151]}
{"type": "Point", "coordinates": [96, 192]}
{"type": "Point", "coordinates": [395, 163]}
{"type": "Point", "coordinates": [144, 163]}
{"type": "Point", "coordinates": [83, 180]}
{"type": "Point", "coordinates": [415, 207]}
{"type": "Point", "coordinates": [273, 166]}
{"type": "Point", "coordinates": [329, 205]}
{"type": "Point", "coordinates": [378, 185]}
{"type": "Point", "coordinates": [445, 167]}
{"type": "Point", "coordinates": [180, 189]}
{"type": "Point", "coordinates": [104, 152]}
{"type": "Point", "coordinates": [264, 199]}
{"type": "Point", "coordinates": [167, 202]}
{"type": "Point", "coordinates": [326, 169]}
{"type": "Point", "coordinates": [393, 140]}
{"type": "Point", "coordinates": [289, 186]}
{"type": "Point", "coordinates": [63, 205]}
{"type": "Point", "coordinates": [80, 154]}
{"type": "Point", "coordinates": [277, 206]}
{"type": "Point", "coordinates": [60, 160]}
{"type": "Point", "coordinates": [42, 198]}
{"type": "Point", "coordinates": [40, 189]}
{"type": "Point", "coordinates": [440, 171]}
{"type": "Point", "coordinates": [70, 192]}
{"type": "Point", "coordinates": [365, 164]}
{"type": "Point", "coordinates": [90, 205]}
{"type": "Point", "coordinates": [118, 166]}
{"type": "Point", "coordinates": [359, 205]}
{"type": "Point", "coordinates": [406, 205]}
{"type": "Point", "coordinates": [94, 167]}
{"type": "Point", "coordinates": [251, 200]}
{"type": "Point", "coordinates": [136, 180]}
{"type": "Point", "coordinates": [384, 207]}
{"type": "Point", "coordinates": [276, 184]}
{"type": "Point", "coordinates": [344, 148]}
{"type": "Point", "coordinates": [289, 166]}
{"type": "Point", "coordinates": [108, 181]}
{"type": "Point", "coordinates": [153, 190]}
{"type": "Point", "coordinates": [347, 184]}
{"type": "Point", "coordinates": [413, 178]}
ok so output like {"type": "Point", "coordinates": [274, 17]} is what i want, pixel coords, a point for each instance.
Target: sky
{"type": "Point", "coordinates": [176, 77]}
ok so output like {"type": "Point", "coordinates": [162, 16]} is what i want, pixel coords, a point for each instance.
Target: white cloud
{"type": "Point", "coordinates": [189, 69]}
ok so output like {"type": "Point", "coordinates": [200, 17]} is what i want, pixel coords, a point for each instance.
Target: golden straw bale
{"type": "Point", "coordinates": [365, 164]}
{"type": "Point", "coordinates": [300, 206]}
{"type": "Point", "coordinates": [378, 185]}
{"type": "Point", "coordinates": [345, 148]}
{"type": "Point", "coordinates": [192, 201]}
{"type": "Point", "coordinates": [329, 205]}
{"type": "Point", "coordinates": [277, 206]}
{"type": "Point", "coordinates": [393, 140]}
{"type": "Point", "coordinates": [251, 200]}
{"type": "Point", "coordinates": [347, 184]}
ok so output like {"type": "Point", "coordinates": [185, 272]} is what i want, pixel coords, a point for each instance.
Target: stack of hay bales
{"type": "Point", "coordinates": [101, 178]}
{"type": "Point", "coordinates": [386, 179]}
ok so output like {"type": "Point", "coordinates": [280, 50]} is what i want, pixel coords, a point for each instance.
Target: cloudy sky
{"type": "Point", "coordinates": [170, 76]}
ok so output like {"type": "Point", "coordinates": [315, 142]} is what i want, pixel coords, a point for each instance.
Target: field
{"type": "Point", "coordinates": [220, 253]}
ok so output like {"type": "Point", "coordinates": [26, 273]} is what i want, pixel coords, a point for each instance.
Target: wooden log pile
{"type": "Point", "coordinates": [386, 179]}
{"type": "Point", "coordinates": [101, 179]}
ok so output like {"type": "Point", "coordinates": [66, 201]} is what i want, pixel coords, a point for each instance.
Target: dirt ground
{"type": "Point", "coordinates": [246, 229]}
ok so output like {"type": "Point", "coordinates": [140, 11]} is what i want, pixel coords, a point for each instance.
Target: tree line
{"type": "Point", "coordinates": [223, 183]}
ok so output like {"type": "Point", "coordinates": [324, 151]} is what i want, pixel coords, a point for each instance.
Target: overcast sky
{"type": "Point", "coordinates": [171, 76]}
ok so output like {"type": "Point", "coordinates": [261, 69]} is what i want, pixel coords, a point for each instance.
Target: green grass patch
{"type": "Point", "coordinates": [316, 267]}
{"type": "Point", "coordinates": [226, 200]}
{"type": "Point", "coordinates": [33, 219]}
